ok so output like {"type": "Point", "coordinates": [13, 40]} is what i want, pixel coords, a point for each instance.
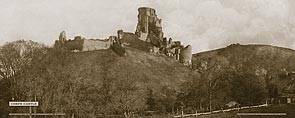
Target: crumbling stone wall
{"type": "Point", "coordinates": [96, 44]}
{"type": "Point", "coordinates": [177, 50]}
{"type": "Point", "coordinates": [81, 44]}
{"type": "Point", "coordinates": [76, 44]}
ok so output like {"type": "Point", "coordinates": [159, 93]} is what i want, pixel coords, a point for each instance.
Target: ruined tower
{"type": "Point", "coordinates": [120, 34]}
{"type": "Point", "coordinates": [186, 55]}
{"type": "Point", "coordinates": [149, 25]}
{"type": "Point", "coordinates": [62, 37]}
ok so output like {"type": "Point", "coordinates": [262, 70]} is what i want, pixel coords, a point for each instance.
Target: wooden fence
{"type": "Point", "coordinates": [218, 111]}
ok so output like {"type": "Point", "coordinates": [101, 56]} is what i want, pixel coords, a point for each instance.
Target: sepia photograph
{"type": "Point", "coordinates": [147, 59]}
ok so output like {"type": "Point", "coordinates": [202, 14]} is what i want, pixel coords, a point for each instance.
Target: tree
{"type": "Point", "coordinates": [192, 93]}
{"type": "Point", "coordinates": [16, 59]}
{"type": "Point", "coordinates": [246, 88]}
{"type": "Point", "coordinates": [128, 97]}
{"type": "Point", "coordinates": [210, 71]}
{"type": "Point", "coordinates": [151, 102]}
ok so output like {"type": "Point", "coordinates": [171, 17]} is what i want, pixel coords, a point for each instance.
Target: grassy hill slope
{"type": "Point", "coordinates": [100, 81]}
{"type": "Point", "coordinates": [272, 63]}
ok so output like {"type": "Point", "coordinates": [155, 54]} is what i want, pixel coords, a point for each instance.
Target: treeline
{"type": "Point", "coordinates": [213, 94]}
{"type": "Point", "coordinates": [242, 80]}
{"type": "Point", "coordinates": [17, 60]}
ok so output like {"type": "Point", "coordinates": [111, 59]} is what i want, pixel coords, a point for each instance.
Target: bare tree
{"type": "Point", "coordinates": [208, 71]}
{"type": "Point", "coordinates": [128, 97]}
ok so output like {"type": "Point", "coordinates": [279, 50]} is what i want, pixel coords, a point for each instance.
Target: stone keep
{"type": "Point", "coordinates": [149, 25]}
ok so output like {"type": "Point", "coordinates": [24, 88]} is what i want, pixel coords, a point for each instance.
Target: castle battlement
{"type": "Point", "coordinates": [80, 43]}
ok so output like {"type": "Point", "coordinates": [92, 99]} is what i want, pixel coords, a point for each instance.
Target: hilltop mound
{"type": "Point", "coordinates": [139, 65]}
{"type": "Point", "coordinates": [101, 81]}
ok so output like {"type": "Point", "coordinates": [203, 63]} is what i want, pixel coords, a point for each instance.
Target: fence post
{"type": "Point", "coordinates": [30, 108]}
{"type": "Point", "coordinates": [196, 113]}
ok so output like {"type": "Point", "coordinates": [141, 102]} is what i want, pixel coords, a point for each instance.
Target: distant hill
{"type": "Point", "coordinates": [272, 62]}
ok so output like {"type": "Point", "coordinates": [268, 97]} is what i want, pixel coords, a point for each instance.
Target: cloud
{"type": "Point", "coordinates": [209, 24]}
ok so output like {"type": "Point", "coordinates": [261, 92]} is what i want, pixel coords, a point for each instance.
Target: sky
{"type": "Point", "coordinates": [204, 24]}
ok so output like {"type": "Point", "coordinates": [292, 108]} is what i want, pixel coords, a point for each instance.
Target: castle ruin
{"type": "Point", "coordinates": [149, 29]}
{"type": "Point", "coordinates": [147, 37]}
